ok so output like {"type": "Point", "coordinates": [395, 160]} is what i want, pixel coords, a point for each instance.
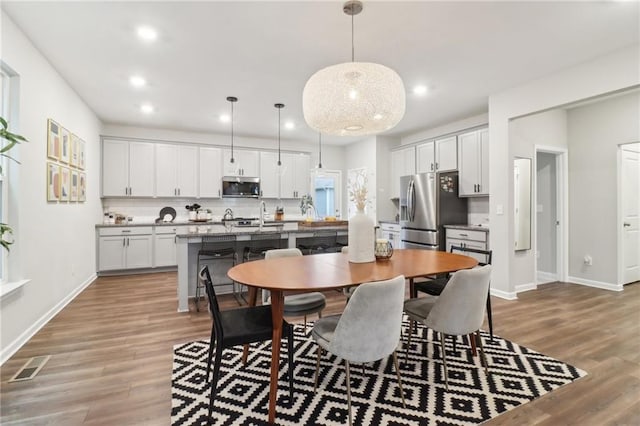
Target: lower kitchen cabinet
{"type": "Point", "coordinates": [125, 248]}
{"type": "Point", "coordinates": [468, 238]}
{"type": "Point", "coordinates": [165, 245]}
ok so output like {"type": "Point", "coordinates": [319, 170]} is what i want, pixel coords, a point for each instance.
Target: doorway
{"type": "Point", "coordinates": [629, 212]}
{"type": "Point", "coordinates": [327, 192]}
{"type": "Point", "coordinates": [551, 216]}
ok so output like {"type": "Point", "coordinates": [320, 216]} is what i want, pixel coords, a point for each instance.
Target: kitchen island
{"type": "Point", "coordinates": [189, 243]}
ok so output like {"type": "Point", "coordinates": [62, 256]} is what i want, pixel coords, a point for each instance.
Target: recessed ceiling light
{"type": "Point", "coordinates": [147, 108]}
{"type": "Point", "coordinates": [420, 90]}
{"type": "Point", "coordinates": [289, 125]}
{"type": "Point", "coordinates": [147, 33]}
{"type": "Point", "coordinates": [225, 118]}
{"type": "Point", "coordinates": [137, 81]}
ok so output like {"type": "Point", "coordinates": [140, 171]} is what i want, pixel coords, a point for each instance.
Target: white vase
{"type": "Point", "coordinates": [361, 238]}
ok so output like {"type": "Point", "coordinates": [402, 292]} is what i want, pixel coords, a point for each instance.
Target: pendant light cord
{"type": "Point", "coordinates": [319, 150]}
{"type": "Point", "coordinates": [232, 159]}
{"type": "Point", "coordinates": [352, 43]}
{"type": "Point", "coordinates": [279, 163]}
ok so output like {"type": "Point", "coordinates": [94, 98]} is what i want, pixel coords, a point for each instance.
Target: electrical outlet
{"type": "Point", "coordinates": [588, 260]}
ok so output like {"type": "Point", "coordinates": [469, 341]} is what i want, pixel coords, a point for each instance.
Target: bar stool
{"type": "Point", "coordinates": [321, 242]}
{"type": "Point", "coordinates": [258, 245]}
{"type": "Point", "coordinates": [216, 248]}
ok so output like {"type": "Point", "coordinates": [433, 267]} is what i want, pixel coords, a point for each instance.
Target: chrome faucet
{"type": "Point", "coordinates": [263, 209]}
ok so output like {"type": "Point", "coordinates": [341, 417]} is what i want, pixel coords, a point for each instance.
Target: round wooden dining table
{"type": "Point", "coordinates": [331, 271]}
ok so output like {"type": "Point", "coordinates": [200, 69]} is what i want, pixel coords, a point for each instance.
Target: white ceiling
{"type": "Point", "coordinates": [264, 52]}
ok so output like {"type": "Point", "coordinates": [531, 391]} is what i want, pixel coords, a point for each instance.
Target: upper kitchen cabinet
{"type": "Point", "coordinates": [210, 171]}
{"type": "Point", "coordinates": [473, 162]}
{"type": "Point", "coordinates": [176, 170]}
{"type": "Point", "coordinates": [289, 180]}
{"type": "Point", "coordinates": [403, 163]}
{"type": "Point", "coordinates": [440, 155]}
{"type": "Point", "coordinates": [246, 163]}
{"type": "Point", "coordinates": [269, 175]}
{"type": "Point", "coordinates": [127, 168]}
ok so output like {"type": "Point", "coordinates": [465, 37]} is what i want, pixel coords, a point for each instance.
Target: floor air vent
{"type": "Point", "coordinates": [30, 368]}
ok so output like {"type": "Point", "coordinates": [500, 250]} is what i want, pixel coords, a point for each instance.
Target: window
{"type": "Point", "coordinates": [7, 112]}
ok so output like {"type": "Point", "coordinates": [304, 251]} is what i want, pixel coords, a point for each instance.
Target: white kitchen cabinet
{"type": "Point", "coordinates": [468, 238]}
{"type": "Point", "coordinates": [125, 248]}
{"type": "Point", "coordinates": [440, 155]}
{"type": "Point", "coordinates": [269, 174]}
{"type": "Point", "coordinates": [294, 175]}
{"type": "Point", "coordinates": [246, 163]}
{"type": "Point", "coordinates": [165, 245]}
{"type": "Point", "coordinates": [403, 163]}
{"type": "Point", "coordinates": [127, 169]}
{"type": "Point", "coordinates": [210, 172]}
{"type": "Point", "coordinates": [176, 170]}
{"type": "Point", "coordinates": [473, 163]}
{"type": "Point", "coordinates": [391, 231]}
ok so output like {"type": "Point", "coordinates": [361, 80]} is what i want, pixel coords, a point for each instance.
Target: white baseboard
{"type": "Point", "coordinates": [526, 287]}
{"type": "Point", "coordinates": [546, 277]}
{"type": "Point", "coordinates": [14, 346]}
{"type": "Point", "coordinates": [503, 294]}
{"type": "Point", "coordinates": [596, 284]}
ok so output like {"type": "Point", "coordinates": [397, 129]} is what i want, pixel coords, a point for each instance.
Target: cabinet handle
{"type": "Point", "coordinates": [463, 235]}
{"type": "Point", "coordinates": [478, 187]}
{"type": "Point", "coordinates": [130, 191]}
{"type": "Point", "coordinates": [431, 166]}
{"type": "Point", "coordinates": [179, 193]}
{"type": "Point", "coordinates": [127, 241]}
{"type": "Point", "coordinates": [436, 165]}
{"type": "Point", "coordinates": [124, 240]}
{"type": "Point", "coordinates": [126, 230]}
{"type": "Point", "coordinates": [218, 192]}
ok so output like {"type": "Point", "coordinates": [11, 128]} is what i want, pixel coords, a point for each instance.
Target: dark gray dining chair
{"type": "Point", "coordinates": [296, 304]}
{"type": "Point", "coordinates": [458, 311]}
{"type": "Point", "coordinates": [237, 327]}
{"type": "Point", "coordinates": [368, 330]}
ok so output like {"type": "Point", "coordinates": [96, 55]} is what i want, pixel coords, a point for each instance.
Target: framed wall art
{"type": "Point", "coordinates": [65, 183]}
{"type": "Point", "coordinates": [81, 154]}
{"type": "Point", "coordinates": [74, 186]}
{"type": "Point", "coordinates": [65, 145]}
{"type": "Point", "coordinates": [82, 187]}
{"type": "Point", "coordinates": [53, 182]}
{"type": "Point", "coordinates": [75, 147]}
{"type": "Point", "coordinates": [53, 140]}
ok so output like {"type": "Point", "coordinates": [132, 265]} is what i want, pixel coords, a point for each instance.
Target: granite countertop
{"type": "Point", "coordinates": [249, 230]}
{"type": "Point", "coordinates": [394, 222]}
{"type": "Point", "coordinates": [483, 227]}
{"type": "Point", "coordinates": [183, 223]}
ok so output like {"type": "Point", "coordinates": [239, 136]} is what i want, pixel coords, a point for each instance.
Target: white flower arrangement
{"type": "Point", "coordinates": [358, 188]}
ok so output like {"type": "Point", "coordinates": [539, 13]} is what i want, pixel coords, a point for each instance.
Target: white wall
{"type": "Point", "coordinates": [548, 128]}
{"type": "Point", "coordinates": [55, 246]}
{"type": "Point", "coordinates": [602, 75]}
{"type": "Point", "coordinates": [595, 131]}
{"type": "Point", "coordinates": [385, 208]}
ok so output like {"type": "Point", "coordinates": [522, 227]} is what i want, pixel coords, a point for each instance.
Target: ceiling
{"type": "Point", "coordinates": [264, 52]}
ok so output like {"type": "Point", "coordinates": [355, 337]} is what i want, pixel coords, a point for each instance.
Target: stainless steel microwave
{"type": "Point", "coordinates": [240, 187]}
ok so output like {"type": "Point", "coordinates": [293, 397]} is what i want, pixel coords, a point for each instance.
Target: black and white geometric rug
{"type": "Point", "coordinates": [517, 375]}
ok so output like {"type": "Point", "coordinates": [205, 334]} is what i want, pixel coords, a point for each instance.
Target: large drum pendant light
{"type": "Point", "coordinates": [353, 98]}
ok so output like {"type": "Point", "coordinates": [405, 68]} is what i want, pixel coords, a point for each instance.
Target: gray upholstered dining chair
{"type": "Point", "coordinates": [368, 329]}
{"type": "Point", "coordinates": [297, 304]}
{"type": "Point", "coordinates": [458, 311]}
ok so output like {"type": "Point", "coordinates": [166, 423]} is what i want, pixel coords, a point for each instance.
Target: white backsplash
{"type": "Point", "coordinates": [478, 213]}
{"type": "Point", "coordinates": [147, 210]}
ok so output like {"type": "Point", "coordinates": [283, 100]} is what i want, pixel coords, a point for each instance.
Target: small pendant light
{"type": "Point", "coordinates": [232, 100]}
{"type": "Point", "coordinates": [319, 150]}
{"type": "Point", "coordinates": [279, 106]}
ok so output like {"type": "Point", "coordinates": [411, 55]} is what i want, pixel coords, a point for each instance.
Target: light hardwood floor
{"type": "Point", "coordinates": [112, 351]}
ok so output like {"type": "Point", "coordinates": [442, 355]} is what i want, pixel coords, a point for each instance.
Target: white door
{"type": "Point", "coordinates": [187, 177]}
{"type": "Point", "coordinates": [630, 180]}
{"type": "Point", "coordinates": [166, 170]}
{"type": "Point", "coordinates": [111, 253]}
{"type": "Point", "coordinates": [138, 251]}
{"type": "Point", "coordinates": [270, 174]}
{"type": "Point", "coordinates": [468, 163]}
{"type": "Point", "coordinates": [327, 193]}
{"type": "Point", "coordinates": [425, 158]}
{"type": "Point", "coordinates": [301, 174]}
{"type": "Point", "coordinates": [165, 250]}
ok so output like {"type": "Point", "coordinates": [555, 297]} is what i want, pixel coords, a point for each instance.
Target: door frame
{"type": "Point", "coordinates": [337, 174]}
{"type": "Point", "coordinates": [562, 209]}
{"type": "Point", "coordinates": [619, 224]}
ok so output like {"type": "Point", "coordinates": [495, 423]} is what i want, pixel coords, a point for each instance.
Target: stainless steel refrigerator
{"type": "Point", "coordinates": [427, 202]}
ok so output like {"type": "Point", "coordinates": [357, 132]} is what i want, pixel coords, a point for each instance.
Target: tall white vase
{"type": "Point", "coordinates": [361, 238]}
